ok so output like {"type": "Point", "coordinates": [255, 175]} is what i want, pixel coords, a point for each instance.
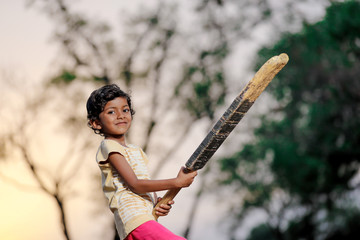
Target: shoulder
{"type": "Point", "coordinates": [109, 146]}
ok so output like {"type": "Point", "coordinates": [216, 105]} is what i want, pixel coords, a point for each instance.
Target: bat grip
{"type": "Point", "coordinates": [169, 195]}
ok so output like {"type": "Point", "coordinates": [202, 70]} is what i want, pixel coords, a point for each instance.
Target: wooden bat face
{"type": "Point", "coordinates": [232, 116]}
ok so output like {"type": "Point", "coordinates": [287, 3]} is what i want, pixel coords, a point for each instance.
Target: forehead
{"type": "Point", "coordinates": [116, 103]}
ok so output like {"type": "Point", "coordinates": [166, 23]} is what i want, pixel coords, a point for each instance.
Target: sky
{"type": "Point", "coordinates": [25, 40]}
{"type": "Point", "coordinates": [25, 51]}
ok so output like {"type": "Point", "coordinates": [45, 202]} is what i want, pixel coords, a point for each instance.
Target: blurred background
{"type": "Point", "coordinates": [290, 170]}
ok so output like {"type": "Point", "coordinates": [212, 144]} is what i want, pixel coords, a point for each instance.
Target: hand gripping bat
{"type": "Point", "coordinates": [230, 119]}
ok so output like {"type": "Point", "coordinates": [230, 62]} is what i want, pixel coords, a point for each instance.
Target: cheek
{"type": "Point", "coordinates": [104, 121]}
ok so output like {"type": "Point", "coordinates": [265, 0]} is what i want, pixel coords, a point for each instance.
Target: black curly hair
{"type": "Point", "coordinates": [98, 99]}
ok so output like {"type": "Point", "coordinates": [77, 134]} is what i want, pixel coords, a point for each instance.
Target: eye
{"type": "Point", "coordinates": [111, 112]}
{"type": "Point", "coordinates": [126, 110]}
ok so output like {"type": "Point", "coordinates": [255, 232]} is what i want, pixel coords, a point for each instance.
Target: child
{"type": "Point", "coordinates": [125, 176]}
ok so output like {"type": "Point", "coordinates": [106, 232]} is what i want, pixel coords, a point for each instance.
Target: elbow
{"type": "Point", "coordinates": [136, 188]}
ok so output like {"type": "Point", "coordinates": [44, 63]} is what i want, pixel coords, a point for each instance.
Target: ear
{"type": "Point", "coordinates": [96, 124]}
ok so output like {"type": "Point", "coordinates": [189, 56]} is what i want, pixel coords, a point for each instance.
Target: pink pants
{"type": "Point", "coordinates": [152, 230]}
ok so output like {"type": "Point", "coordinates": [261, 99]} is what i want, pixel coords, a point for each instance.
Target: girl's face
{"type": "Point", "coordinates": [115, 120]}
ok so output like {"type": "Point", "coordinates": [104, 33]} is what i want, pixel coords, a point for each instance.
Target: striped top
{"type": "Point", "coordinates": [131, 208]}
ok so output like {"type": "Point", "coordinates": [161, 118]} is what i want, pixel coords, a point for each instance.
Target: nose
{"type": "Point", "coordinates": [120, 115]}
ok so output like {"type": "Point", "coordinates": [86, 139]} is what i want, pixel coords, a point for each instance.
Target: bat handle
{"type": "Point", "coordinates": [169, 195]}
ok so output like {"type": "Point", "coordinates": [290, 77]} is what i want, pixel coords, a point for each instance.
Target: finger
{"type": "Point", "coordinates": [162, 212]}
{"type": "Point", "coordinates": [165, 206]}
{"type": "Point", "coordinates": [158, 213]}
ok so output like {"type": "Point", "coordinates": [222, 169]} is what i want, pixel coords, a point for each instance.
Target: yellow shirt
{"type": "Point", "coordinates": [130, 209]}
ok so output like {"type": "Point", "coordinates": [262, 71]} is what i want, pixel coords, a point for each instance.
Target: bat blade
{"type": "Point", "coordinates": [230, 119]}
{"type": "Point", "coordinates": [232, 116]}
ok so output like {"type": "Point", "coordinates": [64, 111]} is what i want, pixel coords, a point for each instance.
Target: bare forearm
{"type": "Point", "coordinates": [144, 186]}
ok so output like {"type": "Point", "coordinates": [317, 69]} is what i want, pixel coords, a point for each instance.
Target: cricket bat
{"type": "Point", "coordinates": [232, 116]}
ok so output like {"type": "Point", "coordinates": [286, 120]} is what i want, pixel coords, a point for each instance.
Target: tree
{"type": "Point", "coordinates": [25, 139]}
{"type": "Point", "coordinates": [301, 167]}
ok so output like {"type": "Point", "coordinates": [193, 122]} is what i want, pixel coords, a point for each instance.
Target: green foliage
{"type": "Point", "coordinates": [64, 77]}
{"type": "Point", "coordinates": [206, 81]}
{"type": "Point", "coordinates": [345, 225]}
{"type": "Point", "coordinates": [261, 232]}
{"type": "Point", "coordinates": [314, 142]}
{"type": "Point", "coordinates": [103, 79]}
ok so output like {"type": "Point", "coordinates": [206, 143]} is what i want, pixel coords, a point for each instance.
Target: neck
{"type": "Point", "coordinates": [119, 139]}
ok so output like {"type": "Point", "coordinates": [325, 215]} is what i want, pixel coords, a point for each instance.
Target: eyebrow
{"type": "Point", "coordinates": [113, 107]}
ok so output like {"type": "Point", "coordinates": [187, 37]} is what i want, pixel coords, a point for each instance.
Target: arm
{"type": "Point", "coordinates": [143, 185]}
